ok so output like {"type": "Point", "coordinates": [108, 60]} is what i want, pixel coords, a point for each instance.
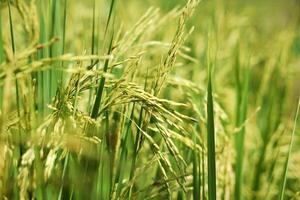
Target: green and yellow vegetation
{"type": "Point", "coordinates": [149, 99]}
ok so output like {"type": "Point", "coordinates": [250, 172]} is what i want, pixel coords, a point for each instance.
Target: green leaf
{"type": "Point", "coordinates": [211, 155]}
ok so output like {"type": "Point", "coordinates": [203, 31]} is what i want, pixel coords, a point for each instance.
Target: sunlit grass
{"type": "Point", "coordinates": [119, 100]}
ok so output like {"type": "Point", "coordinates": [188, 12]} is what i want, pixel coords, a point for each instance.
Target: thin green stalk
{"type": "Point", "coordinates": [239, 140]}
{"type": "Point", "coordinates": [286, 166]}
{"type": "Point", "coordinates": [94, 108]}
{"type": "Point", "coordinates": [43, 80]}
{"type": "Point", "coordinates": [109, 16]}
{"type": "Point", "coordinates": [64, 38]}
{"type": "Point", "coordinates": [135, 151]}
{"type": "Point", "coordinates": [11, 28]}
{"type": "Point", "coordinates": [124, 153]}
{"type": "Point", "coordinates": [196, 171]}
{"type": "Point", "coordinates": [17, 152]}
{"type": "Point", "coordinates": [211, 156]}
{"type": "Point", "coordinates": [55, 49]}
{"type": "Point", "coordinates": [91, 92]}
{"type": "Point", "coordinates": [203, 194]}
{"type": "Point", "coordinates": [99, 94]}
{"type": "Point", "coordinates": [137, 141]}
{"type": "Point", "coordinates": [93, 30]}
{"type": "Point", "coordinates": [1, 40]}
{"type": "Point", "coordinates": [99, 186]}
{"type": "Point", "coordinates": [14, 51]}
{"type": "Point", "coordinates": [1, 57]}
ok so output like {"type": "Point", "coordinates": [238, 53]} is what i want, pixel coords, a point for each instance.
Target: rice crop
{"type": "Point", "coordinates": [149, 99]}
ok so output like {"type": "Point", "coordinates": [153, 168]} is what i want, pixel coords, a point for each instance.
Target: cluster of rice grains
{"type": "Point", "coordinates": [72, 122]}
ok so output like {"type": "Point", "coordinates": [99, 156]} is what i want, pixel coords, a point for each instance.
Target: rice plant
{"type": "Point", "coordinates": [173, 99]}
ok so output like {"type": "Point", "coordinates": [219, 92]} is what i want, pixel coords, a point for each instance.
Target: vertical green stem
{"type": "Point", "coordinates": [211, 141]}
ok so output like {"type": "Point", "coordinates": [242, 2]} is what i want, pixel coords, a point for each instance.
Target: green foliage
{"type": "Point", "coordinates": [173, 99]}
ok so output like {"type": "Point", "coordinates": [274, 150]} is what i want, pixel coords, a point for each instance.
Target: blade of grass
{"type": "Point", "coordinates": [202, 176]}
{"type": "Point", "coordinates": [11, 28]}
{"type": "Point", "coordinates": [93, 30]}
{"type": "Point", "coordinates": [124, 154]}
{"type": "Point", "coordinates": [99, 94]}
{"type": "Point", "coordinates": [55, 49]}
{"type": "Point", "coordinates": [43, 76]}
{"type": "Point", "coordinates": [1, 57]}
{"type": "Point", "coordinates": [100, 185]}
{"type": "Point", "coordinates": [286, 166]}
{"type": "Point", "coordinates": [14, 51]}
{"type": "Point", "coordinates": [64, 38]}
{"type": "Point", "coordinates": [1, 40]}
{"type": "Point", "coordinates": [109, 17]}
{"type": "Point", "coordinates": [242, 103]}
{"type": "Point", "coordinates": [63, 51]}
{"type": "Point", "coordinates": [64, 26]}
{"type": "Point", "coordinates": [211, 156]}
{"type": "Point", "coordinates": [17, 151]}
{"type": "Point", "coordinates": [96, 106]}
{"type": "Point", "coordinates": [91, 92]}
{"type": "Point", "coordinates": [196, 171]}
